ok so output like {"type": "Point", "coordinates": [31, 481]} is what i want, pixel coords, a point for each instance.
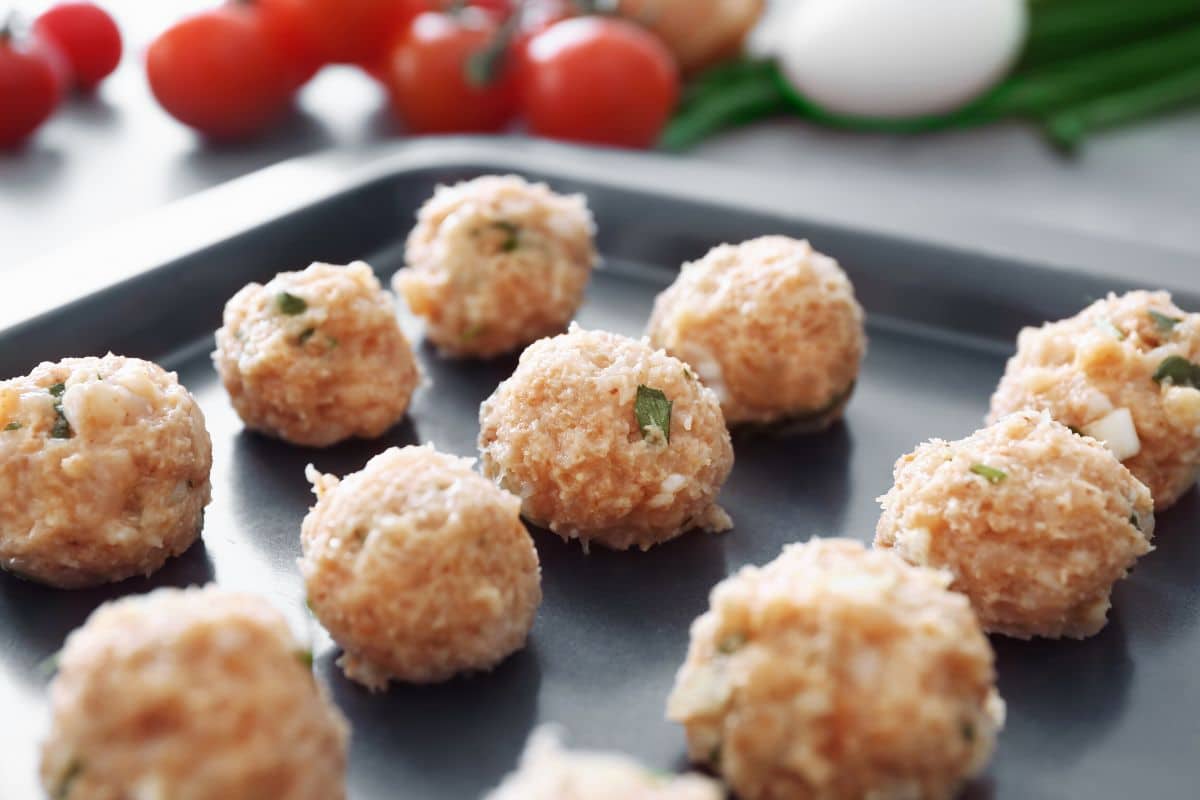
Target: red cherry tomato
{"type": "Point", "coordinates": [87, 36]}
{"type": "Point", "coordinates": [498, 8]}
{"type": "Point", "coordinates": [347, 31]}
{"type": "Point", "coordinates": [536, 16]}
{"type": "Point", "coordinates": [221, 73]}
{"type": "Point", "coordinates": [290, 39]}
{"type": "Point", "coordinates": [598, 80]}
{"type": "Point", "coordinates": [31, 85]}
{"type": "Point", "coordinates": [431, 78]}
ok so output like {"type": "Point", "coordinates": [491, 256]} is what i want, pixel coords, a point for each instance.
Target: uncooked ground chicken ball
{"type": "Point", "coordinates": [838, 672]}
{"type": "Point", "coordinates": [419, 568]}
{"type": "Point", "coordinates": [317, 356]}
{"type": "Point", "coordinates": [607, 440]}
{"type": "Point", "coordinates": [548, 771]}
{"type": "Point", "coordinates": [1034, 522]}
{"type": "Point", "coordinates": [771, 326]}
{"type": "Point", "coordinates": [496, 263]}
{"type": "Point", "coordinates": [190, 694]}
{"type": "Point", "coordinates": [1125, 370]}
{"type": "Point", "coordinates": [104, 466]}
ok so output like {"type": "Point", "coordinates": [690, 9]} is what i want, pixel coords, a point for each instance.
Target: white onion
{"type": "Point", "coordinates": [898, 58]}
{"type": "Point", "coordinates": [1117, 432]}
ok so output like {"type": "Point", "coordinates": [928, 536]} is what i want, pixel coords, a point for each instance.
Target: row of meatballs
{"type": "Point", "coordinates": [607, 439]}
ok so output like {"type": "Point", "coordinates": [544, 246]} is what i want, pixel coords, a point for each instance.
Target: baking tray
{"type": "Point", "coordinates": [1115, 716]}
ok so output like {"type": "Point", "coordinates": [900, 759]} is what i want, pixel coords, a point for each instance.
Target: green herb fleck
{"type": "Point", "coordinates": [1164, 323]}
{"type": "Point", "coordinates": [483, 67]}
{"type": "Point", "coordinates": [62, 428]}
{"type": "Point", "coordinates": [687, 373]}
{"type": "Point", "coordinates": [306, 334]}
{"type": "Point", "coordinates": [67, 782]}
{"type": "Point", "coordinates": [305, 657]}
{"type": "Point", "coordinates": [1112, 330]}
{"type": "Point", "coordinates": [512, 238]}
{"type": "Point", "coordinates": [308, 604]}
{"type": "Point", "coordinates": [714, 755]}
{"type": "Point", "coordinates": [472, 333]}
{"type": "Point", "coordinates": [992, 474]}
{"type": "Point", "coordinates": [290, 304]}
{"type": "Point", "coordinates": [731, 643]}
{"type": "Point", "coordinates": [968, 731]}
{"type": "Point", "coordinates": [1178, 371]}
{"type": "Point", "coordinates": [331, 341]}
{"type": "Point", "coordinates": [13, 426]}
{"type": "Point", "coordinates": [653, 412]}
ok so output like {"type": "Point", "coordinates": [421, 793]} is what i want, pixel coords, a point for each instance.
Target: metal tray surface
{"type": "Point", "coordinates": [1114, 716]}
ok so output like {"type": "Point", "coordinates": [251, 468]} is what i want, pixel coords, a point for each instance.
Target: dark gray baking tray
{"type": "Point", "coordinates": [1115, 716]}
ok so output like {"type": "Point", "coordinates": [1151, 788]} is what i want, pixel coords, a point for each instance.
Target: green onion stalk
{"type": "Point", "coordinates": [1087, 65]}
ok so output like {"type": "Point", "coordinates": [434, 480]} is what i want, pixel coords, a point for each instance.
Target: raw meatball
{"type": "Point", "coordinates": [1125, 370]}
{"type": "Point", "coordinates": [838, 672]}
{"type": "Point", "coordinates": [496, 263]}
{"type": "Point", "coordinates": [771, 326]}
{"type": "Point", "coordinates": [607, 440]}
{"type": "Point", "coordinates": [104, 468]}
{"type": "Point", "coordinates": [315, 357]}
{"type": "Point", "coordinates": [419, 568]}
{"type": "Point", "coordinates": [1034, 522]}
{"type": "Point", "coordinates": [550, 772]}
{"type": "Point", "coordinates": [190, 694]}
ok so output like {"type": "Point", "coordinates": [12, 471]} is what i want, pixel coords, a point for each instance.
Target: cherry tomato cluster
{"type": "Point", "coordinates": [71, 45]}
{"type": "Point", "coordinates": [476, 66]}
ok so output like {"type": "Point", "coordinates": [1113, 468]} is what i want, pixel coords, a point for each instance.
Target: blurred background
{"type": "Point", "coordinates": [1081, 115]}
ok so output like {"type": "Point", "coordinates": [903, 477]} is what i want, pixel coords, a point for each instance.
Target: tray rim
{"type": "Point", "coordinates": [145, 243]}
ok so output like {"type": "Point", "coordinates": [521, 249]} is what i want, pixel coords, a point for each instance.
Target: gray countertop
{"type": "Point", "coordinates": [118, 156]}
